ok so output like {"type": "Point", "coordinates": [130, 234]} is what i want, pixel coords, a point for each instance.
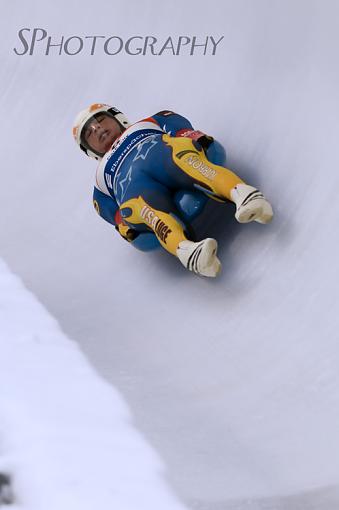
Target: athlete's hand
{"type": "Point", "coordinates": [200, 137]}
{"type": "Point", "coordinates": [128, 233]}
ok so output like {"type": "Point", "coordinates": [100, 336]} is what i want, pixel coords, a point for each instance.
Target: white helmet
{"type": "Point", "coordinates": [85, 115]}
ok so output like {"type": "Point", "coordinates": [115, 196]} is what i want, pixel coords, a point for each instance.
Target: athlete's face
{"type": "Point", "coordinates": [101, 132]}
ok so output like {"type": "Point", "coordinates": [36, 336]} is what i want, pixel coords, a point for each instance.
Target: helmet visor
{"type": "Point", "coordinates": [100, 132]}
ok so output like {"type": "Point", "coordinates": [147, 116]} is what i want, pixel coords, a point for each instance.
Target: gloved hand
{"type": "Point", "coordinates": [200, 137]}
{"type": "Point", "coordinates": [128, 233]}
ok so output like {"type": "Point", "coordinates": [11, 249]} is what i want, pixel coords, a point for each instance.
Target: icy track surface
{"type": "Point", "coordinates": [66, 435]}
{"type": "Point", "coordinates": [235, 382]}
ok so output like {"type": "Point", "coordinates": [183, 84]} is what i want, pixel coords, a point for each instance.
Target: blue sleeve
{"type": "Point", "coordinates": [105, 205]}
{"type": "Point", "coordinates": [171, 122]}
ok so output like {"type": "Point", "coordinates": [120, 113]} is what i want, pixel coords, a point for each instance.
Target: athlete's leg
{"type": "Point", "coordinates": [190, 158]}
{"type": "Point", "coordinates": [168, 229]}
{"type": "Point", "coordinates": [218, 182]}
{"type": "Point", "coordinates": [149, 202]}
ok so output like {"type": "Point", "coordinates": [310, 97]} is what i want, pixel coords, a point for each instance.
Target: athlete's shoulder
{"type": "Point", "coordinates": [165, 113]}
{"type": "Point", "coordinates": [156, 117]}
{"type": "Point", "coordinates": [164, 121]}
{"type": "Point", "coordinates": [169, 121]}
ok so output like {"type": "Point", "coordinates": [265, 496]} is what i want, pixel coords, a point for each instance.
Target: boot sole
{"type": "Point", "coordinates": [208, 253]}
{"type": "Point", "coordinates": [257, 210]}
{"type": "Point", "coordinates": [203, 256]}
{"type": "Point", "coordinates": [213, 270]}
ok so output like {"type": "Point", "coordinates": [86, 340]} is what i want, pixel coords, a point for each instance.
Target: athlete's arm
{"type": "Point", "coordinates": [171, 122]}
{"type": "Point", "coordinates": [105, 206]}
{"type": "Point", "coordinates": [177, 125]}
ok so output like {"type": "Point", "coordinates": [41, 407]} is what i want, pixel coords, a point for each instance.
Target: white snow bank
{"type": "Point", "coordinates": [66, 436]}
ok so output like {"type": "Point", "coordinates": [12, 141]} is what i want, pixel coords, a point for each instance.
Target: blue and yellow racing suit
{"type": "Point", "coordinates": [142, 182]}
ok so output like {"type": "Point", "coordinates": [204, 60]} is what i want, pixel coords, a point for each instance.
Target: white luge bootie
{"type": "Point", "coordinates": [201, 257]}
{"type": "Point", "coordinates": [251, 204]}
